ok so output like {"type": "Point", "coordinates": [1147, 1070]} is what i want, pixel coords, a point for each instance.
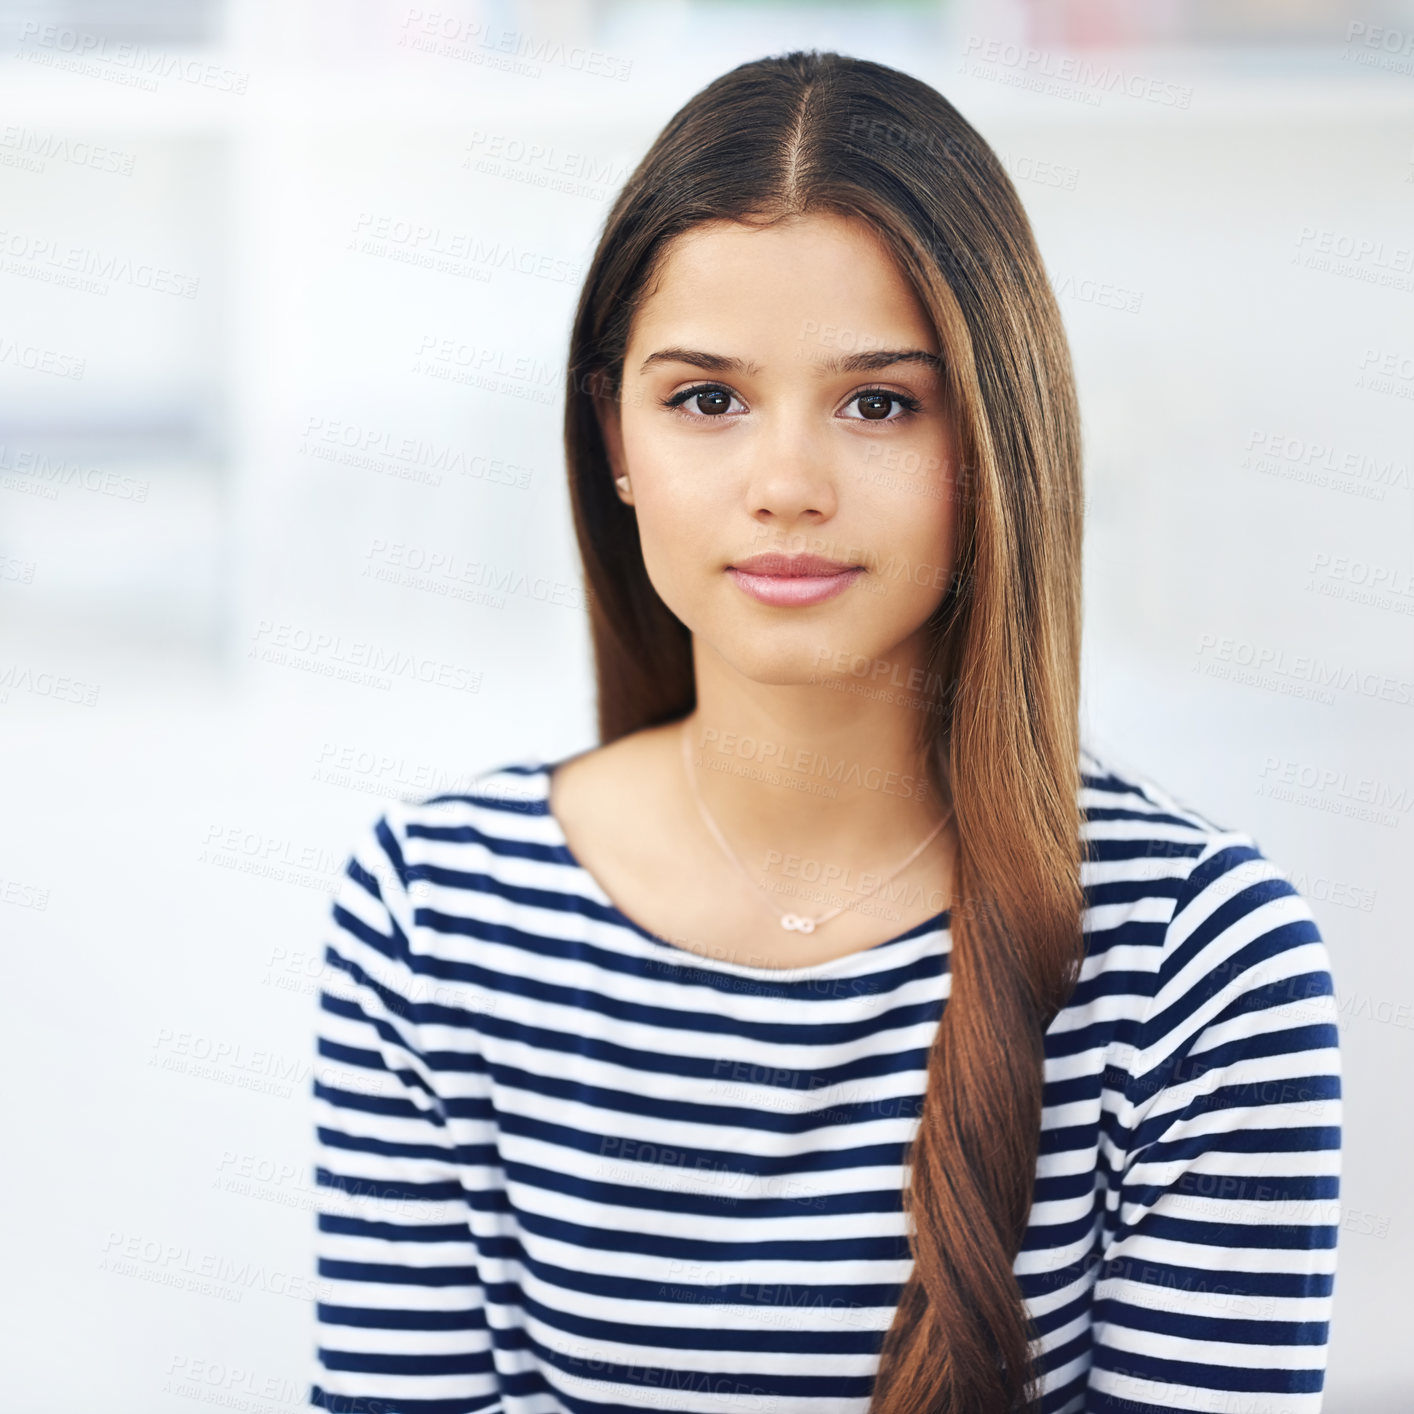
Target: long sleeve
{"type": "Point", "coordinates": [401, 1324]}
{"type": "Point", "coordinates": [1216, 1285]}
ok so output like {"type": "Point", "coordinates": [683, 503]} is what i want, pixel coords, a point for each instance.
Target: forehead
{"type": "Point", "coordinates": [782, 283]}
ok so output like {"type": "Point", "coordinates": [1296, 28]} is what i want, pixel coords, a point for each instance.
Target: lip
{"type": "Point", "coordinates": [790, 581]}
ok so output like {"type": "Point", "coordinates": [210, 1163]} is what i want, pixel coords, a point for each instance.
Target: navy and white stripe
{"type": "Point", "coordinates": [567, 1166]}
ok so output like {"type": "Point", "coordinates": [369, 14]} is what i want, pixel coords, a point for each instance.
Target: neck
{"type": "Point", "coordinates": [834, 774]}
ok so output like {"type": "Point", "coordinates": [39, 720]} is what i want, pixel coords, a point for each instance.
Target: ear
{"type": "Point", "coordinates": [608, 413]}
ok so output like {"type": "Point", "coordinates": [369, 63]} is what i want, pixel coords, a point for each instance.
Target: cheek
{"type": "Point", "coordinates": [930, 535]}
{"type": "Point", "coordinates": [678, 501]}
{"type": "Point", "coordinates": [911, 512]}
{"type": "Point", "coordinates": [678, 534]}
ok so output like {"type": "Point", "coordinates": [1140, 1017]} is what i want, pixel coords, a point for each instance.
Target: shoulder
{"type": "Point", "coordinates": [1140, 846]}
{"type": "Point", "coordinates": [498, 831]}
{"type": "Point", "coordinates": [1122, 804]}
{"type": "Point", "coordinates": [1229, 942]}
{"type": "Point", "coordinates": [612, 790]}
{"type": "Point", "coordinates": [500, 811]}
{"type": "Point", "coordinates": [1204, 896]}
{"type": "Point", "coordinates": [1136, 833]}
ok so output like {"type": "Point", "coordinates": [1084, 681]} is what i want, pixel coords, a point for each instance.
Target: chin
{"type": "Point", "coordinates": [804, 663]}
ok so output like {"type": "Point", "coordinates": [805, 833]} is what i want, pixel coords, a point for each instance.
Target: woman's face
{"type": "Point", "coordinates": [781, 396]}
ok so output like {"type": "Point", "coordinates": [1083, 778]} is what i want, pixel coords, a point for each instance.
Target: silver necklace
{"type": "Point", "coordinates": [792, 922]}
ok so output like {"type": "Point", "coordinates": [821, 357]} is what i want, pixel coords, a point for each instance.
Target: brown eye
{"type": "Point", "coordinates": [877, 405]}
{"type": "Point", "coordinates": [704, 402]}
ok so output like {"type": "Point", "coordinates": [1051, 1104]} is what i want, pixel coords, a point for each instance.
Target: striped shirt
{"type": "Point", "coordinates": [566, 1165]}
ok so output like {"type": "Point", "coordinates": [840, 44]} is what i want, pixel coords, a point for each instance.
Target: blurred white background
{"type": "Point", "coordinates": [285, 292]}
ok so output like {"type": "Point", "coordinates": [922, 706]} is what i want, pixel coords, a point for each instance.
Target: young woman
{"type": "Point", "coordinates": [842, 1034]}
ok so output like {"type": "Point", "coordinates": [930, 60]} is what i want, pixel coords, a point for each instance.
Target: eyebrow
{"type": "Point", "coordinates": [867, 362]}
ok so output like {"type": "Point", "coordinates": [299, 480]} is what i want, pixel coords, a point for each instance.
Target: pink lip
{"type": "Point", "coordinates": [793, 580]}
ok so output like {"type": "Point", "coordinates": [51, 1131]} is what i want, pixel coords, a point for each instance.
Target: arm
{"type": "Point", "coordinates": [1216, 1287]}
{"type": "Point", "coordinates": [401, 1319]}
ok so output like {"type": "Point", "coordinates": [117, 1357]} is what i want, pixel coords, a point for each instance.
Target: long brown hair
{"type": "Point", "coordinates": [806, 132]}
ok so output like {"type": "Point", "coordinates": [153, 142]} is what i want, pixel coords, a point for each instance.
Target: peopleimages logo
{"type": "Point", "coordinates": [37, 359]}
{"type": "Point", "coordinates": [1347, 792]}
{"type": "Point", "coordinates": [332, 655]}
{"type": "Point", "coordinates": [1305, 458]}
{"type": "Point", "coordinates": [1264, 666]}
{"type": "Point", "coordinates": [1033, 68]}
{"type": "Point", "coordinates": [53, 472]}
{"type": "Point", "coordinates": [801, 761]}
{"type": "Point", "coordinates": [462, 253]}
{"type": "Point", "coordinates": [64, 48]}
{"type": "Point", "coordinates": [55, 261]}
{"type": "Point", "coordinates": [27, 148]}
{"type": "Point", "coordinates": [20, 677]}
{"type": "Point", "coordinates": [451, 37]}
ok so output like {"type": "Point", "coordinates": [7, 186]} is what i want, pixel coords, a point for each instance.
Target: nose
{"type": "Point", "coordinates": [792, 477]}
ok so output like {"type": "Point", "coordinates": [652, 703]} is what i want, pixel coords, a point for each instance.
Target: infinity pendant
{"type": "Point", "coordinates": [795, 923]}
